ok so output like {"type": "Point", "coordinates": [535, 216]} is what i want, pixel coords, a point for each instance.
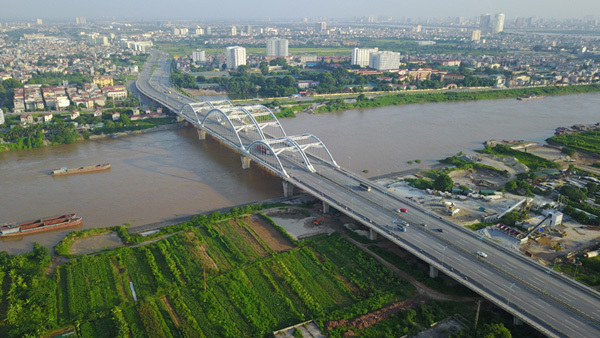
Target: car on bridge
{"type": "Point", "coordinates": [401, 210]}
{"type": "Point", "coordinates": [482, 254]}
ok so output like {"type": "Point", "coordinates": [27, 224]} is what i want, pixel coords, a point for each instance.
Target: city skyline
{"type": "Point", "coordinates": [278, 10]}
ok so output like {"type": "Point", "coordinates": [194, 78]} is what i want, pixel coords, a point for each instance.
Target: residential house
{"type": "Point", "coordinates": [26, 118]}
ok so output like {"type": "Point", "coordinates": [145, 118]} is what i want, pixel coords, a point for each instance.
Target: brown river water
{"type": "Point", "coordinates": [161, 175]}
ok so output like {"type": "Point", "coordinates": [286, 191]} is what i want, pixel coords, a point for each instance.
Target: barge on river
{"type": "Point", "coordinates": [530, 97]}
{"type": "Point", "coordinates": [39, 225]}
{"type": "Point", "coordinates": [80, 170]}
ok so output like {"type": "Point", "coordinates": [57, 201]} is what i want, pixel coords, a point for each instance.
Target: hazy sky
{"type": "Point", "coordinates": [262, 9]}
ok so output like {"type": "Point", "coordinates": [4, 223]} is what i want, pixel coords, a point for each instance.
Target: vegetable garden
{"type": "Point", "coordinates": [251, 290]}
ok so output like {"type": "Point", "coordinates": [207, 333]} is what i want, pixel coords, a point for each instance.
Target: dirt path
{"type": "Point", "coordinates": [372, 318]}
{"type": "Point", "coordinates": [421, 288]}
{"type": "Point", "coordinates": [167, 305]}
{"type": "Point", "coordinates": [119, 284]}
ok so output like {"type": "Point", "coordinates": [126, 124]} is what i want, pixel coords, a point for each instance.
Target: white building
{"type": "Point", "coordinates": [360, 56]}
{"type": "Point", "coordinates": [476, 35]}
{"type": "Point", "coordinates": [198, 56]}
{"type": "Point", "coordinates": [498, 23]}
{"type": "Point", "coordinates": [233, 31]}
{"type": "Point", "coordinates": [1, 116]}
{"type": "Point", "coordinates": [384, 60]}
{"type": "Point", "coordinates": [277, 47]}
{"type": "Point", "coordinates": [236, 56]}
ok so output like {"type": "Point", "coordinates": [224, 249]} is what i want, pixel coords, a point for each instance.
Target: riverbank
{"type": "Point", "coordinates": [404, 98]}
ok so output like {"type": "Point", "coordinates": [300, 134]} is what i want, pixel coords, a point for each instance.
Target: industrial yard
{"type": "Point", "coordinates": [550, 243]}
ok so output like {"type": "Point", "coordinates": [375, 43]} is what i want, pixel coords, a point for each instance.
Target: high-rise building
{"type": "Point", "coordinates": [384, 60]}
{"type": "Point", "coordinates": [233, 31]}
{"type": "Point", "coordinates": [80, 20]}
{"type": "Point", "coordinates": [476, 35]}
{"type": "Point", "coordinates": [360, 56]}
{"type": "Point", "coordinates": [277, 47]}
{"type": "Point", "coordinates": [498, 23]}
{"type": "Point", "coordinates": [485, 23]}
{"type": "Point", "coordinates": [236, 56]}
{"type": "Point", "coordinates": [199, 31]}
{"type": "Point", "coordinates": [320, 27]}
{"type": "Point", "coordinates": [39, 21]}
{"type": "Point", "coordinates": [198, 56]}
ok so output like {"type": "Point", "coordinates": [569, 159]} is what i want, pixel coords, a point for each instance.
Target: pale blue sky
{"type": "Point", "coordinates": [275, 9]}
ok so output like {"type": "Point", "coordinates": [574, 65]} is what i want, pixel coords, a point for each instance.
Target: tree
{"type": "Point", "coordinates": [443, 182]}
{"type": "Point", "coordinates": [264, 68]}
{"type": "Point", "coordinates": [125, 119]}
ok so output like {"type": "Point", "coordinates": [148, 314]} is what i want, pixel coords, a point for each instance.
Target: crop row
{"type": "Point", "coordinates": [90, 286]}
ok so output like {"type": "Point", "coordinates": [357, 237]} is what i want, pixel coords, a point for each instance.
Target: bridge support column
{"type": "Point", "coordinates": [201, 134]}
{"type": "Point", "coordinates": [288, 189]}
{"type": "Point", "coordinates": [517, 321]}
{"type": "Point", "coordinates": [433, 271]}
{"type": "Point", "coordinates": [325, 207]}
{"type": "Point", "coordinates": [245, 162]}
{"type": "Point", "coordinates": [372, 234]}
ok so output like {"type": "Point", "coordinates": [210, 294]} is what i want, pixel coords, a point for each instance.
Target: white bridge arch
{"type": "Point", "coordinates": [256, 132]}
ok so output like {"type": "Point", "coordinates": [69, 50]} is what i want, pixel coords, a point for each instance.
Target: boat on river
{"type": "Point", "coordinates": [39, 225]}
{"type": "Point", "coordinates": [530, 97]}
{"type": "Point", "coordinates": [80, 170]}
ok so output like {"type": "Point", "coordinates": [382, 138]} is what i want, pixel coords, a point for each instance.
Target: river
{"type": "Point", "coordinates": [161, 175]}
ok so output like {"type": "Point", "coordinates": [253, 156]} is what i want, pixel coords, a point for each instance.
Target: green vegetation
{"type": "Point", "coordinates": [443, 183]}
{"type": "Point", "coordinates": [524, 185]}
{"type": "Point", "coordinates": [463, 164]}
{"type": "Point", "coordinates": [410, 98]}
{"type": "Point", "coordinates": [34, 136]}
{"type": "Point", "coordinates": [478, 226]}
{"type": "Point", "coordinates": [588, 141]}
{"type": "Point", "coordinates": [533, 162]}
{"type": "Point", "coordinates": [178, 79]}
{"type": "Point", "coordinates": [179, 49]}
{"type": "Point", "coordinates": [251, 290]}
{"type": "Point", "coordinates": [61, 131]}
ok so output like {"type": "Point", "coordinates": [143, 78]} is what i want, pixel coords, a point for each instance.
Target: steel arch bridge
{"type": "Point", "coordinates": [257, 134]}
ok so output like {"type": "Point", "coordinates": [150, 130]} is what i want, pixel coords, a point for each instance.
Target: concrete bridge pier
{"type": "Point", "coordinates": [288, 189]}
{"type": "Point", "coordinates": [517, 321]}
{"type": "Point", "coordinates": [245, 162]}
{"type": "Point", "coordinates": [201, 134]}
{"type": "Point", "coordinates": [325, 207]}
{"type": "Point", "coordinates": [372, 234]}
{"type": "Point", "coordinates": [433, 271]}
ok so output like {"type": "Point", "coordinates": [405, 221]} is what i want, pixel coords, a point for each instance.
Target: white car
{"type": "Point", "coordinates": [482, 254]}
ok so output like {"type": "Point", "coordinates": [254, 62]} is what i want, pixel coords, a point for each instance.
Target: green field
{"type": "Point", "coordinates": [181, 49]}
{"type": "Point", "coordinates": [588, 141]}
{"type": "Point", "coordinates": [251, 290]}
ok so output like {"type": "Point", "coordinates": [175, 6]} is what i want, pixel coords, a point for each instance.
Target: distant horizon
{"type": "Point", "coordinates": [277, 10]}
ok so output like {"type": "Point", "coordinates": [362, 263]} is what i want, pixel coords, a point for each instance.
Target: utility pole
{"type": "Point", "coordinates": [477, 314]}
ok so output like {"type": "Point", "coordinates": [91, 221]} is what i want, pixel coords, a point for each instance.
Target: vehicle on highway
{"type": "Point", "coordinates": [482, 254]}
{"type": "Point", "coordinates": [364, 186]}
{"type": "Point", "coordinates": [424, 224]}
{"type": "Point", "coordinates": [403, 210]}
{"type": "Point", "coordinates": [439, 230]}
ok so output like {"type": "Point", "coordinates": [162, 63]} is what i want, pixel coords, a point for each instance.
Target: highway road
{"type": "Point", "coordinates": [546, 300]}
